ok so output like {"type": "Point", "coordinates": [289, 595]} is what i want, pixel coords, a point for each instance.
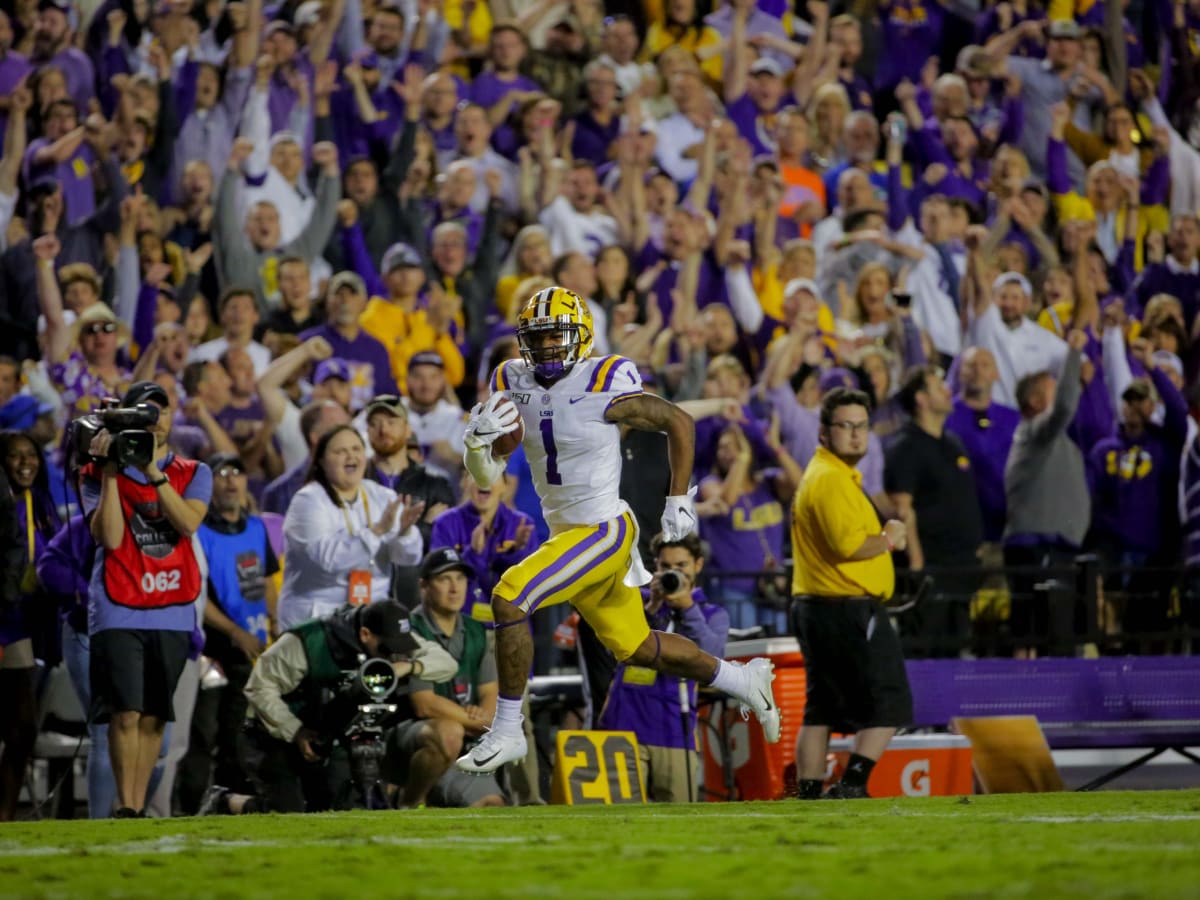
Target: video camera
{"type": "Point", "coordinates": [132, 444]}
{"type": "Point", "coordinates": [367, 690]}
{"type": "Point", "coordinates": [370, 684]}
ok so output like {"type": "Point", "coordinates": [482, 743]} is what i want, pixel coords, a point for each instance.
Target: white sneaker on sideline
{"type": "Point", "coordinates": [495, 750]}
{"type": "Point", "coordinates": [760, 698]}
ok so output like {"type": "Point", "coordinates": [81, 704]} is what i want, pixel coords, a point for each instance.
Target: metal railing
{"type": "Point", "coordinates": [1087, 607]}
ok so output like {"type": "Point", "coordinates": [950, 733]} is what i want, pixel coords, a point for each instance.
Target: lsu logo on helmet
{"type": "Point", "coordinates": [554, 330]}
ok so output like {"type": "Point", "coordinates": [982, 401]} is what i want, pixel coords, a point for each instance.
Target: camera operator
{"type": "Point", "coordinates": [647, 702]}
{"type": "Point", "coordinates": [452, 714]}
{"type": "Point", "coordinates": [141, 601]}
{"type": "Point", "coordinates": [292, 723]}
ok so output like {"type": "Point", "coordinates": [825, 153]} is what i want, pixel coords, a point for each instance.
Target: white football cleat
{"type": "Point", "coordinates": [761, 698]}
{"type": "Point", "coordinates": [495, 750]}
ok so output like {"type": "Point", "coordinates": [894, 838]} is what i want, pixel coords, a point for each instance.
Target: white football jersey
{"type": "Point", "coordinates": [574, 453]}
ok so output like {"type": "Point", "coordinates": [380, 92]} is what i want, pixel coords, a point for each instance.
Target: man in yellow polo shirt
{"type": "Point", "coordinates": [843, 575]}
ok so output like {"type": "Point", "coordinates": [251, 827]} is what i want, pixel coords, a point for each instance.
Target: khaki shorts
{"type": "Point", "coordinates": [455, 789]}
{"type": "Point", "coordinates": [17, 655]}
{"type": "Point", "coordinates": [665, 772]}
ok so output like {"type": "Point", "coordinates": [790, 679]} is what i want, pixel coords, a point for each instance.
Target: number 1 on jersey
{"type": "Point", "coordinates": [552, 476]}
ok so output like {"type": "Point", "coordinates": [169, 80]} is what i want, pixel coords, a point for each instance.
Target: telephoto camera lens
{"type": "Point", "coordinates": [377, 678]}
{"type": "Point", "coordinates": [671, 581]}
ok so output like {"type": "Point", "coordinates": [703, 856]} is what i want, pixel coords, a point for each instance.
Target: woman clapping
{"type": "Point", "coordinates": [343, 533]}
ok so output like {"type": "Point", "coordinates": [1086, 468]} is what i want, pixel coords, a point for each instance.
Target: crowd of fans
{"type": "Point", "coordinates": [298, 217]}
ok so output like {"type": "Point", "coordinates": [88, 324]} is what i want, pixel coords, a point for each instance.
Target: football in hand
{"type": "Point", "coordinates": [504, 445]}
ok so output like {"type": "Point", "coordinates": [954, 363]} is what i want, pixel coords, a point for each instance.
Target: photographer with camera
{"type": "Point", "coordinates": [302, 702]}
{"type": "Point", "coordinates": [652, 705]}
{"type": "Point", "coordinates": [143, 504]}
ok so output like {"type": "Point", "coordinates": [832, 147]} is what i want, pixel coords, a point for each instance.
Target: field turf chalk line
{"type": "Point", "coordinates": [178, 843]}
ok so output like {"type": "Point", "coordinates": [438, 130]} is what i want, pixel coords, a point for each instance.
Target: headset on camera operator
{"type": "Point", "coordinates": [143, 505]}
{"type": "Point", "coordinates": [659, 709]}
{"type": "Point", "coordinates": [301, 705]}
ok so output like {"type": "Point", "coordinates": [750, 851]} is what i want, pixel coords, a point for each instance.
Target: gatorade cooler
{"type": "Point", "coordinates": [914, 765]}
{"type": "Point", "coordinates": [738, 762]}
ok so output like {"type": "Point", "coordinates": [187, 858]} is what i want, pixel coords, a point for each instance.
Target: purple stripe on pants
{"type": "Point", "coordinates": [622, 528]}
{"type": "Point", "coordinates": [563, 562]}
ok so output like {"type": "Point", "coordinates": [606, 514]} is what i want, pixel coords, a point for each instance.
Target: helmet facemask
{"type": "Point", "coordinates": [550, 361]}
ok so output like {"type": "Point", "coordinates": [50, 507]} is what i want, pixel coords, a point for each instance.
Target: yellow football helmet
{"type": "Point", "coordinates": [554, 331]}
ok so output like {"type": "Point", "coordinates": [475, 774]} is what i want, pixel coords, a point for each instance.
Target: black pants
{"type": "Point", "coordinates": [285, 782]}
{"type": "Point", "coordinates": [213, 755]}
{"type": "Point", "coordinates": [598, 665]}
{"type": "Point", "coordinates": [854, 667]}
{"type": "Point", "coordinates": [939, 627]}
{"type": "Point", "coordinates": [1029, 619]}
{"type": "Point", "coordinates": [1141, 591]}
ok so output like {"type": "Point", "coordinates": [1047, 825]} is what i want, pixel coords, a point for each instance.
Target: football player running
{"type": "Point", "coordinates": [572, 407]}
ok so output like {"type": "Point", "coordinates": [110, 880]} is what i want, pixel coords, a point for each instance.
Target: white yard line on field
{"type": "Point", "coordinates": [177, 843]}
{"type": "Point", "coordinates": [879, 808]}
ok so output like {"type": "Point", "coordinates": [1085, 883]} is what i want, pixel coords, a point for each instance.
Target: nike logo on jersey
{"type": "Point", "coordinates": [575, 400]}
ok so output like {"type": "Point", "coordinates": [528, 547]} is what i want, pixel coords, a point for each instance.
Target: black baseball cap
{"type": "Point", "coordinates": [219, 461]}
{"type": "Point", "coordinates": [146, 391]}
{"type": "Point", "coordinates": [444, 560]}
{"type": "Point", "coordinates": [42, 184]}
{"type": "Point", "coordinates": [388, 621]}
{"type": "Point", "coordinates": [1138, 389]}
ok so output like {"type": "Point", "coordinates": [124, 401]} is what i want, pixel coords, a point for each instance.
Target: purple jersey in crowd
{"type": "Point", "coordinates": [647, 702]}
{"type": "Point", "coordinates": [454, 528]}
{"type": "Point", "coordinates": [987, 435]}
{"type": "Point", "coordinates": [912, 32]}
{"type": "Point", "coordinates": [749, 538]}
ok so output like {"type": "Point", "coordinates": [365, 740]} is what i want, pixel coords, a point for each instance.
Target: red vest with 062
{"type": "Point", "coordinates": [155, 566]}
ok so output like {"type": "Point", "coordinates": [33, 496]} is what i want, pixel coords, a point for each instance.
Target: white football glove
{"type": "Point", "coordinates": [487, 422]}
{"type": "Point", "coordinates": [679, 517]}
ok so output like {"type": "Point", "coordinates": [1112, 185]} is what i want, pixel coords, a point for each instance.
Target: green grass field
{"type": "Point", "coordinates": [1144, 844]}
